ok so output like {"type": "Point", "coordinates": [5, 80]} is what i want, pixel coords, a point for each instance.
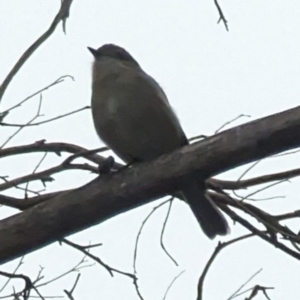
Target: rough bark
{"type": "Point", "coordinates": [113, 194]}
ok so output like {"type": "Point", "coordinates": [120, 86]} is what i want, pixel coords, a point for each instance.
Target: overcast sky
{"type": "Point", "coordinates": [210, 76]}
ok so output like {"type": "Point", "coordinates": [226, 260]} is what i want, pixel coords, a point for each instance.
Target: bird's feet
{"type": "Point", "coordinates": [106, 166]}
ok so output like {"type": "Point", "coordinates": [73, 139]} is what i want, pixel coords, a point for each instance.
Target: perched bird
{"type": "Point", "coordinates": [133, 117]}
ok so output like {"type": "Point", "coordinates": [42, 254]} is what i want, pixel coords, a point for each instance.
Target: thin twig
{"type": "Point", "coordinates": [286, 153]}
{"type": "Point", "coordinates": [248, 169]}
{"type": "Point", "coordinates": [57, 148]}
{"type": "Point", "coordinates": [231, 121]}
{"type": "Point", "coordinates": [14, 272]}
{"type": "Point", "coordinates": [265, 218]}
{"type": "Point", "coordinates": [38, 114]}
{"type": "Point", "coordinates": [47, 121]}
{"type": "Point", "coordinates": [290, 215]}
{"type": "Point", "coordinates": [137, 242]}
{"type": "Point", "coordinates": [45, 176]}
{"type": "Point", "coordinates": [217, 250]}
{"type": "Point", "coordinates": [34, 170]}
{"type": "Point", "coordinates": [268, 178]}
{"type": "Point", "coordinates": [162, 234]}
{"type": "Point", "coordinates": [262, 235]}
{"type": "Point", "coordinates": [84, 154]}
{"type": "Point", "coordinates": [235, 294]}
{"type": "Point", "coordinates": [37, 291]}
{"type": "Point", "coordinates": [62, 14]}
{"type": "Point", "coordinates": [37, 193]}
{"type": "Point", "coordinates": [222, 17]}
{"type": "Point", "coordinates": [80, 265]}
{"type": "Point", "coordinates": [258, 288]}
{"type": "Point", "coordinates": [30, 202]}
{"type": "Point", "coordinates": [263, 189]}
{"type": "Point", "coordinates": [57, 81]}
{"type": "Point", "coordinates": [28, 284]}
{"type": "Point", "coordinates": [39, 275]}
{"type": "Point", "coordinates": [171, 284]}
{"type": "Point", "coordinates": [69, 293]}
{"type": "Point", "coordinates": [75, 283]}
{"type": "Point", "coordinates": [265, 199]}
{"type": "Point", "coordinates": [198, 137]}
{"type": "Point", "coordinates": [98, 260]}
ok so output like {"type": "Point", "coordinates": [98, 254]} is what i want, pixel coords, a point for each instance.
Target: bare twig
{"type": "Point", "coordinates": [269, 221]}
{"type": "Point", "coordinates": [258, 288]}
{"type": "Point", "coordinates": [265, 199]}
{"type": "Point", "coordinates": [45, 176]}
{"type": "Point", "coordinates": [69, 293]}
{"type": "Point", "coordinates": [57, 148]}
{"type": "Point", "coordinates": [14, 272]}
{"type": "Point", "coordinates": [91, 246]}
{"type": "Point", "coordinates": [162, 234]}
{"type": "Point", "coordinates": [198, 137]}
{"type": "Point", "coordinates": [84, 154]}
{"type": "Point", "coordinates": [263, 189]}
{"type": "Point", "coordinates": [221, 15]}
{"type": "Point", "coordinates": [38, 114]}
{"type": "Point", "coordinates": [62, 15]}
{"type": "Point", "coordinates": [80, 265]}
{"type": "Point", "coordinates": [243, 184]}
{"type": "Point", "coordinates": [28, 284]}
{"type": "Point", "coordinates": [171, 284]}
{"type": "Point", "coordinates": [235, 294]}
{"type": "Point", "coordinates": [98, 260]}
{"type": "Point", "coordinates": [6, 198]}
{"type": "Point", "coordinates": [137, 242]}
{"type": "Point", "coordinates": [37, 291]}
{"type": "Point", "coordinates": [34, 170]}
{"type": "Point", "coordinates": [290, 215]}
{"type": "Point", "coordinates": [265, 218]}
{"type": "Point", "coordinates": [141, 229]}
{"type": "Point", "coordinates": [45, 297]}
{"type": "Point", "coordinates": [217, 250]}
{"type": "Point", "coordinates": [248, 170]}
{"type": "Point", "coordinates": [57, 81]}
{"type": "Point", "coordinates": [269, 178]}
{"type": "Point", "coordinates": [287, 153]}
{"type": "Point", "coordinates": [47, 121]}
{"type": "Point", "coordinates": [39, 275]}
{"type": "Point", "coordinates": [231, 121]}
{"type": "Point", "coordinates": [262, 235]}
{"type": "Point", "coordinates": [30, 202]}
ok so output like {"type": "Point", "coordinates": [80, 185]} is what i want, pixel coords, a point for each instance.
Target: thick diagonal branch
{"type": "Point", "coordinates": [118, 192]}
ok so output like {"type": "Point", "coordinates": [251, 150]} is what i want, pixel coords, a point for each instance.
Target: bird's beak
{"type": "Point", "coordinates": [93, 51]}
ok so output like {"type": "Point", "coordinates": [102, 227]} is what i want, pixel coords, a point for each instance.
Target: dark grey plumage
{"type": "Point", "coordinates": [133, 117]}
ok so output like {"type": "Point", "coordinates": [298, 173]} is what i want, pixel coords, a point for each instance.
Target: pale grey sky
{"type": "Point", "coordinates": [210, 76]}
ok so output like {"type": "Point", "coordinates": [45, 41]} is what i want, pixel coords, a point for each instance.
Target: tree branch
{"type": "Point", "coordinates": [62, 15]}
{"type": "Point", "coordinates": [56, 148]}
{"type": "Point", "coordinates": [117, 192]}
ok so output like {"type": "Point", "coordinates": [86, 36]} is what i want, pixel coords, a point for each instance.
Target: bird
{"type": "Point", "coordinates": [133, 117]}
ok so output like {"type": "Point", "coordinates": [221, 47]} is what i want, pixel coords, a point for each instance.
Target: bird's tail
{"type": "Point", "coordinates": [206, 212]}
